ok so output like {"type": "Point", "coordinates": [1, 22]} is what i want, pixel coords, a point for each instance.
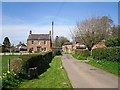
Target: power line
{"type": "Point", "coordinates": [59, 11]}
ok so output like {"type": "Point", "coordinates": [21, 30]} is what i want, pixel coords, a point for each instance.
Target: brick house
{"type": "Point", "coordinates": [67, 47]}
{"type": "Point", "coordinates": [39, 42]}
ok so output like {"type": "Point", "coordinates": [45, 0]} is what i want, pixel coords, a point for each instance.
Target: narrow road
{"type": "Point", "coordinates": [82, 75]}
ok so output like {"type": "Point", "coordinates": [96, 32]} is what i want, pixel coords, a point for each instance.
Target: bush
{"type": "Point", "coordinates": [109, 53]}
{"type": "Point", "coordinates": [82, 52]}
{"type": "Point", "coordinates": [10, 80]}
{"type": "Point", "coordinates": [56, 52]}
{"type": "Point", "coordinates": [112, 41]}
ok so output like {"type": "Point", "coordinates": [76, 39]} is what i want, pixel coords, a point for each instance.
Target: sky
{"type": "Point", "coordinates": [18, 18]}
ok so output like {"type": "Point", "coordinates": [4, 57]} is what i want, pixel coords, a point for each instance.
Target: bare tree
{"type": "Point", "coordinates": [93, 30]}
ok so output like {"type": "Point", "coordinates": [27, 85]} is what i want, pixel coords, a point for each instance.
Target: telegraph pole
{"type": "Point", "coordinates": [52, 35]}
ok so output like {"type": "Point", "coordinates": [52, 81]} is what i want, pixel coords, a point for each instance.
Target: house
{"type": "Point", "coordinates": [77, 44]}
{"type": "Point", "coordinates": [21, 47]}
{"type": "Point", "coordinates": [101, 44]}
{"type": "Point", "coordinates": [39, 42]}
{"type": "Point", "coordinates": [67, 47]}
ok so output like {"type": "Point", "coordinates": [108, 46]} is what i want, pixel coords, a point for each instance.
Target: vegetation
{"type": "Point", "coordinates": [112, 67]}
{"type": "Point", "coordinates": [112, 41]}
{"type": "Point", "coordinates": [29, 61]}
{"type": "Point", "coordinates": [10, 80]}
{"type": "Point", "coordinates": [59, 41]}
{"type": "Point", "coordinates": [5, 59]}
{"type": "Point", "coordinates": [54, 77]}
{"type": "Point", "coordinates": [39, 61]}
{"type": "Point", "coordinates": [79, 57]}
{"type": "Point", "coordinates": [93, 30]}
{"type": "Point", "coordinates": [82, 52]}
{"type": "Point", "coordinates": [6, 45]}
{"type": "Point", "coordinates": [110, 53]}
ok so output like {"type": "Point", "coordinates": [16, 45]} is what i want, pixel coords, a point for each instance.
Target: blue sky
{"type": "Point", "coordinates": [20, 17]}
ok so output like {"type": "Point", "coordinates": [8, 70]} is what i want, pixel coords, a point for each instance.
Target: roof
{"type": "Point", "coordinates": [68, 43]}
{"type": "Point", "coordinates": [21, 44]}
{"type": "Point", "coordinates": [39, 37]}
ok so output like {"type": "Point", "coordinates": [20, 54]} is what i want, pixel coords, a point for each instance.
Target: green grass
{"type": "Point", "coordinates": [54, 77]}
{"type": "Point", "coordinates": [5, 59]}
{"type": "Point", "coordinates": [109, 66]}
{"type": "Point", "coordinates": [79, 57]}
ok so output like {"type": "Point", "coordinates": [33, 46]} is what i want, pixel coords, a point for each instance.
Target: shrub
{"type": "Point", "coordinates": [30, 50]}
{"type": "Point", "coordinates": [16, 65]}
{"type": "Point", "coordinates": [56, 52]}
{"type": "Point", "coordinates": [82, 52]}
{"type": "Point", "coordinates": [10, 80]}
{"type": "Point", "coordinates": [112, 41]}
{"type": "Point", "coordinates": [109, 53]}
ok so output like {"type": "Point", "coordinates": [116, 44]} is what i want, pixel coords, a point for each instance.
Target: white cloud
{"type": "Point", "coordinates": [18, 33]}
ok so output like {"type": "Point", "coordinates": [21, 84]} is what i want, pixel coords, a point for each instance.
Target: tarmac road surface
{"type": "Point", "coordinates": [83, 75]}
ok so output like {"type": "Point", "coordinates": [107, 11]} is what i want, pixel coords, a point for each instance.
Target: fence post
{"type": "Point", "coordinates": [9, 64]}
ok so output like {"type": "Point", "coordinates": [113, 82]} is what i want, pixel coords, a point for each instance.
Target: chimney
{"type": "Point", "coordinates": [30, 32]}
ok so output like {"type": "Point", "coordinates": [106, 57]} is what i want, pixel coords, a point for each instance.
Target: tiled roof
{"type": "Point", "coordinates": [39, 37]}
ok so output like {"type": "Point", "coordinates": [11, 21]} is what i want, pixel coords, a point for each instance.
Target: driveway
{"type": "Point", "coordinates": [83, 75]}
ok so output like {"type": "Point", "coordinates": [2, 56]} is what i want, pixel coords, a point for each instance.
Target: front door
{"type": "Point", "coordinates": [38, 49]}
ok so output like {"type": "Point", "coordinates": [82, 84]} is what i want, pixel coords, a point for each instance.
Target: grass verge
{"type": "Point", "coordinates": [54, 77]}
{"type": "Point", "coordinates": [109, 66]}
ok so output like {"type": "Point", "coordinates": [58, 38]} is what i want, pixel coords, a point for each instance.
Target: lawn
{"type": "Point", "coordinates": [109, 66]}
{"type": "Point", "coordinates": [4, 60]}
{"type": "Point", "coordinates": [54, 77]}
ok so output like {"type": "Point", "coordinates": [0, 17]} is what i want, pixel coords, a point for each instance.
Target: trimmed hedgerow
{"type": "Point", "coordinates": [109, 53]}
{"type": "Point", "coordinates": [82, 52]}
{"type": "Point", "coordinates": [40, 61]}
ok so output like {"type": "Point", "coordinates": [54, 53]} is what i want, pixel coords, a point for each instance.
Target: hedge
{"type": "Point", "coordinates": [41, 62]}
{"type": "Point", "coordinates": [108, 53]}
{"type": "Point", "coordinates": [82, 52]}
{"type": "Point", "coordinates": [112, 41]}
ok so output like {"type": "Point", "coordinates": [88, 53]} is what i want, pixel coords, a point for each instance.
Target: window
{"type": "Point", "coordinates": [32, 42]}
{"type": "Point", "coordinates": [44, 49]}
{"type": "Point", "coordinates": [38, 42]}
{"type": "Point", "coordinates": [44, 42]}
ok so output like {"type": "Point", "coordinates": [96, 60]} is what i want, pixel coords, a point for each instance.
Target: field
{"type": "Point", "coordinates": [5, 59]}
{"type": "Point", "coordinates": [54, 77]}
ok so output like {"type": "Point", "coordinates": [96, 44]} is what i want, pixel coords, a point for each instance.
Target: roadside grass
{"type": "Point", "coordinates": [109, 66]}
{"type": "Point", "coordinates": [4, 60]}
{"type": "Point", "coordinates": [54, 77]}
{"type": "Point", "coordinates": [79, 57]}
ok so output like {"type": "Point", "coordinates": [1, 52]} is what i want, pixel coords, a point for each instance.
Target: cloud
{"type": "Point", "coordinates": [18, 33]}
